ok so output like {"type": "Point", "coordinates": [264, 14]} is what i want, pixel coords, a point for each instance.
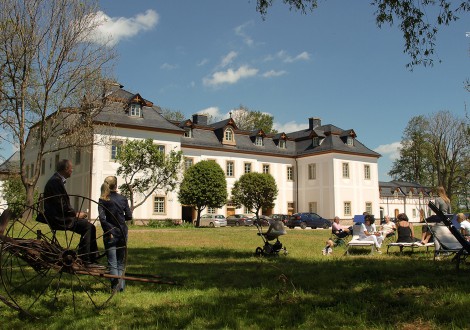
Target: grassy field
{"type": "Point", "coordinates": [224, 286]}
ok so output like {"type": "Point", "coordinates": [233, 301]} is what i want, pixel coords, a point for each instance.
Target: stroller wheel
{"type": "Point", "coordinates": [259, 252]}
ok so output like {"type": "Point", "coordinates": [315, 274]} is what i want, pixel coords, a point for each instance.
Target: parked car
{"type": "Point", "coordinates": [283, 217]}
{"type": "Point", "coordinates": [306, 219]}
{"type": "Point", "coordinates": [263, 221]}
{"type": "Point", "coordinates": [239, 220]}
{"type": "Point", "coordinates": [213, 220]}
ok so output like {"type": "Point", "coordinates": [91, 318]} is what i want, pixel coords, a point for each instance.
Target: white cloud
{"type": "Point", "coordinates": [289, 127]}
{"type": "Point", "coordinates": [230, 76]}
{"type": "Point", "coordinates": [167, 66]}
{"type": "Point", "coordinates": [212, 111]}
{"type": "Point", "coordinates": [304, 56]}
{"type": "Point", "coordinates": [227, 59]}
{"type": "Point", "coordinates": [391, 150]}
{"type": "Point", "coordinates": [273, 73]}
{"type": "Point", "coordinates": [114, 29]}
{"type": "Point", "coordinates": [240, 31]}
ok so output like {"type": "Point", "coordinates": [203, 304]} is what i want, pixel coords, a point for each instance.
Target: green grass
{"type": "Point", "coordinates": [223, 286]}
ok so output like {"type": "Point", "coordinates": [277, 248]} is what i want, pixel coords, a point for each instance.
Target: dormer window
{"type": "Point", "coordinates": [188, 133]}
{"type": "Point", "coordinates": [315, 141]}
{"type": "Point", "coordinates": [135, 110]}
{"type": "Point", "coordinates": [282, 144]}
{"type": "Point", "coordinates": [350, 141]}
{"type": "Point", "coordinates": [259, 141]}
{"type": "Point", "coordinates": [228, 135]}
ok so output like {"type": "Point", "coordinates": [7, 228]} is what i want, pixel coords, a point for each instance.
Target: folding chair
{"type": "Point", "coordinates": [448, 239]}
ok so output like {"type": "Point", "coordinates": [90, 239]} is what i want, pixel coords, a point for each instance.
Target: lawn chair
{"type": "Point", "coordinates": [355, 241]}
{"type": "Point", "coordinates": [340, 238]}
{"type": "Point", "coordinates": [448, 239]}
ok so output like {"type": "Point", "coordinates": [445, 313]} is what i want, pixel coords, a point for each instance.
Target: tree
{"type": "Point", "coordinates": [146, 168]}
{"type": "Point", "coordinates": [413, 164]}
{"type": "Point", "coordinates": [250, 120]}
{"type": "Point", "coordinates": [203, 186]}
{"type": "Point", "coordinates": [419, 21]}
{"type": "Point", "coordinates": [14, 194]}
{"type": "Point", "coordinates": [435, 153]}
{"type": "Point", "coordinates": [51, 77]}
{"type": "Point", "coordinates": [256, 191]}
{"type": "Point", "coordinates": [175, 115]}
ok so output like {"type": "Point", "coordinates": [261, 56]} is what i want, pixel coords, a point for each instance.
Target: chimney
{"type": "Point", "coordinates": [200, 119]}
{"type": "Point", "coordinates": [314, 123]}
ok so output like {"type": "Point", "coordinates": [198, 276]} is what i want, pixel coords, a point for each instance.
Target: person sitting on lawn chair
{"type": "Point", "coordinates": [339, 230]}
{"type": "Point", "coordinates": [388, 228]}
{"type": "Point", "coordinates": [464, 226]}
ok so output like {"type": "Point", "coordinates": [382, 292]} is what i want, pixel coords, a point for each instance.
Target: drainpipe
{"type": "Point", "coordinates": [296, 186]}
{"type": "Point", "coordinates": [90, 181]}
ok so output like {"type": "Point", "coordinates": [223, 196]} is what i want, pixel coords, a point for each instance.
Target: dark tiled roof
{"type": "Point", "coordinates": [387, 189]}
{"type": "Point", "coordinates": [12, 164]}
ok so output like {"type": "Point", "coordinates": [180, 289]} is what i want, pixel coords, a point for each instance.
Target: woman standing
{"type": "Point", "coordinates": [114, 211]}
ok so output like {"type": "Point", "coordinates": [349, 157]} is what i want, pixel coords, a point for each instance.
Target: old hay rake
{"type": "Point", "coordinates": [41, 269]}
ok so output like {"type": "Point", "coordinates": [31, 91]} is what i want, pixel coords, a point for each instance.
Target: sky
{"type": "Point", "coordinates": [334, 64]}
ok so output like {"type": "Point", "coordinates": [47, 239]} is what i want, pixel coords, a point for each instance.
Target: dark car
{"type": "Point", "coordinates": [239, 220]}
{"type": "Point", "coordinates": [263, 221]}
{"type": "Point", "coordinates": [283, 217]}
{"type": "Point", "coordinates": [306, 219]}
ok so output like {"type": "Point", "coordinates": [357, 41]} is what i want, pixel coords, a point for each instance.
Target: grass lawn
{"type": "Point", "coordinates": [224, 286]}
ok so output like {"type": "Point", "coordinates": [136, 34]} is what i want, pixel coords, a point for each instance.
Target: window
{"type": "Point", "coordinates": [247, 210]}
{"type": "Point", "coordinates": [346, 170]}
{"type": "Point", "coordinates": [159, 205]}
{"type": "Point", "coordinates": [116, 146]}
{"type": "Point", "coordinates": [228, 136]}
{"type": "Point", "coordinates": [290, 173]}
{"type": "Point", "coordinates": [43, 167]}
{"type": "Point", "coordinates": [188, 133]}
{"type": "Point", "coordinates": [135, 110]}
{"type": "Point", "coordinates": [367, 172]}
{"type": "Point", "coordinates": [312, 171]}
{"type": "Point", "coordinates": [247, 167]}
{"type": "Point", "coordinates": [266, 168]}
{"type": "Point", "coordinates": [315, 141]}
{"type": "Point", "coordinates": [161, 148]}
{"type": "Point", "coordinates": [188, 162]}
{"type": "Point", "coordinates": [27, 171]}
{"type": "Point", "coordinates": [259, 141]}
{"type": "Point", "coordinates": [350, 141]}
{"type": "Point", "coordinates": [78, 157]}
{"type": "Point", "coordinates": [57, 158]}
{"type": "Point", "coordinates": [369, 207]}
{"type": "Point", "coordinates": [282, 144]}
{"type": "Point", "coordinates": [32, 170]}
{"type": "Point", "coordinates": [211, 210]}
{"type": "Point", "coordinates": [229, 169]}
{"type": "Point", "coordinates": [347, 208]}
{"type": "Point", "coordinates": [312, 207]}
{"type": "Point", "coordinates": [414, 213]}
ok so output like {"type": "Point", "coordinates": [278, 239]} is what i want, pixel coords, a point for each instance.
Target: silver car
{"type": "Point", "coordinates": [213, 220]}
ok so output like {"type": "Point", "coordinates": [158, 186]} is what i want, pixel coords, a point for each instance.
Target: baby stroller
{"type": "Point", "coordinates": [275, 230]}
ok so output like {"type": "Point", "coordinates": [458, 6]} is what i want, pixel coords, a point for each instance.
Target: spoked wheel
{"type": "Point", "coordinates": [259, 252]}
{"type": "Point", "coordinates": [43, 270]}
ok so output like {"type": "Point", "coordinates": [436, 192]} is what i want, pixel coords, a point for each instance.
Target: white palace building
{"type": "Point", "coordinates": [323, 168]}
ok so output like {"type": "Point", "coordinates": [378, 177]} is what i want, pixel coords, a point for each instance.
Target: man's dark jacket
{"type": "Point", "coordinates": [57, 208]}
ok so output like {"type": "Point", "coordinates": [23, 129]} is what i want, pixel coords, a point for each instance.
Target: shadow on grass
{"type": "Point", "coordinates": [225, 288]}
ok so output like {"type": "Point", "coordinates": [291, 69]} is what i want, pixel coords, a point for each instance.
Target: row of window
{"type": "Point", "coordinates": [30, 168]}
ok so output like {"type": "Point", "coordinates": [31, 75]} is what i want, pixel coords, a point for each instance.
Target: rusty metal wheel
{"type": "Point", "coordinates": [42, 270]}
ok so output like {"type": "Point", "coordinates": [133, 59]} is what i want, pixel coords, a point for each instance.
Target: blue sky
{"type": "Point", "coordinates": [334, 64]}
